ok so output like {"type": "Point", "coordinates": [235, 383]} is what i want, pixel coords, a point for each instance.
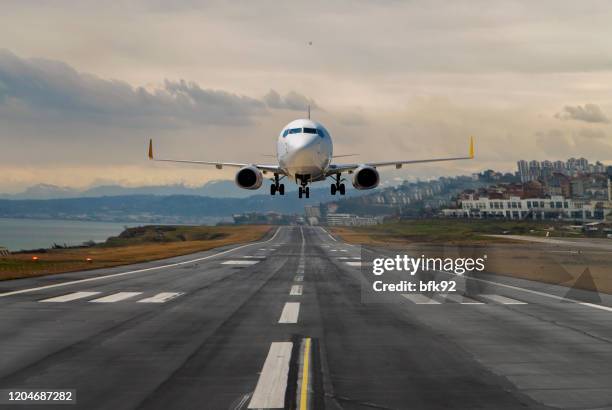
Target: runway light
{"type": "Point", "coordinates": [35, 258]}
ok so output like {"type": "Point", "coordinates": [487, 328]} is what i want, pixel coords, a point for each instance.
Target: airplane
{"type": "Point", "coordinates": [304, 154]}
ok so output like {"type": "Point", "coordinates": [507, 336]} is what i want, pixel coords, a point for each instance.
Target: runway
{"type": "Point", "coordinates": [281, 324]}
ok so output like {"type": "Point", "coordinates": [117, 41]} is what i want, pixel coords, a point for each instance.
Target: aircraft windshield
{"type": "Point", "coordinates": [310, 130]}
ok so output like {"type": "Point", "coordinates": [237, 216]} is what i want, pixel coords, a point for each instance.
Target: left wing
{"type": "Point", "coordinates": [217, 164]}
{"type": "Point", "coordinates": [335, 168]}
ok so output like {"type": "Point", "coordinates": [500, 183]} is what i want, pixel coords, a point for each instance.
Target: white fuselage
{"type": "Point", "coordinates": [304, 150]}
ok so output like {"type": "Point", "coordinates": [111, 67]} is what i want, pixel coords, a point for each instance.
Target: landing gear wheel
{"type": "Point", "coordinates": [307, 191]}
{"type": "Point", "coordinates": [281, 189]}
{"type": "Point", "coordinates": [300, 192]}
{"type": "Point", "coordinates": [342, 189]}
{"type": "Point", "coordinates": [273, 189]}
{"type": "Point", "coordinates": [333, 189]}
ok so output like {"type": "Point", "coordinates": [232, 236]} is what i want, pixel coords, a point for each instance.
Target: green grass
{"type": "Point", "coordinates": [445, 230]}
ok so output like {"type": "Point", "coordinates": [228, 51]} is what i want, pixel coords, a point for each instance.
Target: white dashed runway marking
{"type": "Point", "coordinates": [70, 297]}
{"type": "Point", "coordinates": [299, 278]}
{"type": "Point", "coordinates": [272, 384]}
{"type": "Point", "coordinates": [296, 290]}
{"type": "Point", "coordinates": [290, 313]}
{"type": "Point", "coordinates": [161, 297]}
{"type": "Point", "coordinates": [116, 297]}
{"type": "Point", "coordinates": [239, 262]}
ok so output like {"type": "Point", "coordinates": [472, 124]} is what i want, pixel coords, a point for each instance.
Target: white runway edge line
{"type": "Point", "coordinates": [329, 234]}
{"type": "Point", "coordinates": [272, 384]}
{"type": "Point", "coordinates": [116, 275]}
{"type": "Point", "coordinates": [70, 297]}
{"type": "Point", "coordinates": [116, 297]}
{"type": "Point", "coordinates": [290, 313]}
{"type": "Point", "coordinates": [162, 297]}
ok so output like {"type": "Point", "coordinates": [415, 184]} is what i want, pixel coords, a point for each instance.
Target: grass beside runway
{"type": "Point", "coordinates": [133, 245]}
{"type": "Point", "coordinates": [449, 231]}
{"type": "Point", "coordinates": [560, 265]}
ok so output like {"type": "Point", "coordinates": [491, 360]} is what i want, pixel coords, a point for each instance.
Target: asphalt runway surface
{"type": "Point", "coordinates": [281, 324]}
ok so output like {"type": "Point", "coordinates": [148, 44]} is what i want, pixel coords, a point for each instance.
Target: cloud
{"type": "Point", "coordinates": [588, 113]}
{"type": "Point", "coordinates": [54, 90]}
{"type": "Point", "coordinates": [291, 101]}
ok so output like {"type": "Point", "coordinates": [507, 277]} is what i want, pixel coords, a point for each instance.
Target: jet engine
{"type": "Point", "coordinates": [249, 177]}
{"type": "Point", "coordinates": [365, 177]}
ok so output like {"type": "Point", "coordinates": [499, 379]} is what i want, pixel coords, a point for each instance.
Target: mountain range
{"type": "Point", "coordinates": [213, 189]}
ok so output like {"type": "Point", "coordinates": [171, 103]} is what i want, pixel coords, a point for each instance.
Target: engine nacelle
{"type": "Point", "coordinates": [365, 177]}
{"type": "Point", "coordinates": [249, 177]}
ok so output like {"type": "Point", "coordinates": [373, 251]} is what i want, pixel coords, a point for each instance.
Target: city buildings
{"type": "Point", "coordinates": [514, 207]}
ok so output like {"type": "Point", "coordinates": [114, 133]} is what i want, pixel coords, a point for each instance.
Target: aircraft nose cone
{"type": "Point", "coordinates": [304, 141]}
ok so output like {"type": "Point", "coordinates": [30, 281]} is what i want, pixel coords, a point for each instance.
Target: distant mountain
{"type": "Point", "coordinates": [215, 189]}
{"type": "Point", "coordinates": [159, 208]}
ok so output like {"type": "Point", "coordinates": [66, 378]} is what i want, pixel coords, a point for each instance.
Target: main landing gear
{"type": "Point", "coordinates": [337, 186]}
{"type": "Point", "coordinates": [277, 187]}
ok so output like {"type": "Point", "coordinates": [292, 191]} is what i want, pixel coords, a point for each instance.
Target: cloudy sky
{"type": "Point", "coordinates": [84, 85]}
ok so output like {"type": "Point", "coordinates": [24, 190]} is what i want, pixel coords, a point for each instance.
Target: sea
{"type": "Point", "coordinates": [24, 234]}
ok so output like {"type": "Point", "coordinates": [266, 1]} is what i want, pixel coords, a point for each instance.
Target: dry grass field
{"type": "Point", "coordinates": [561, 265]}
{"type": "Point", "coordinates": [131, 246]}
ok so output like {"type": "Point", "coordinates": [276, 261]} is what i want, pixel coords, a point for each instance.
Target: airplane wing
{"type": "Point", "coordinates": [335, 168]}
{"type": "Point", "coordinates": [217, 164]}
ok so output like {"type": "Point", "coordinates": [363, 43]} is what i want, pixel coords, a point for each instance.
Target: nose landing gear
{"type": "Point", "coordinates": [337, 186]}
{"type": "Point", "coordinates": [304, 191]}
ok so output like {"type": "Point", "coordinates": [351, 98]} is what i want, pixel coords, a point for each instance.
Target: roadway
{"type": "Point", "coordinates": [281, 323]}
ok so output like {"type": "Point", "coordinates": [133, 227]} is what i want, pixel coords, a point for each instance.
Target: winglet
{"type": "Point", "coordinates": [471, 147]}
{"type": "Point", "coordinates": [151, 149]}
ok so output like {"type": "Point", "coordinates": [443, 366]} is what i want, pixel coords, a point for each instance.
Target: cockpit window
{"type": "Point", "coordinates": [310, 130]}
{"type": "Point", "coordinates": [285, 133]}
{"type": "Point", "coordinates": [320, 133]}
{"type": "Point", "coordinates": [295, 130]}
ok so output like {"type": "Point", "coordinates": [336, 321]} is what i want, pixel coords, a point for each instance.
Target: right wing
{"type": "Point", "coordinates": [336, 168]}
{"type": "Point", "coordinates": [217, 164]}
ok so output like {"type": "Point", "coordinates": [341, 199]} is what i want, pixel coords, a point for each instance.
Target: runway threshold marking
{"type": "Point", "coordinates": [272, 384]}
{"type": "Point", "coordinates": [305, 375]}
{"type": "Point", "coordinates": [70, 297]}
{"type": "Point", "coordinates": [296, 290]}
{"type": "Point", "coordinates": [116, 275]}
{"type": "Point", "coordinates": [462, 299]}
{"type": "Point", "coordinates": [299, 278]}
{"type": "Point", "coordinates": [116, 297]}
{"type": "Point", "coordinates": [503, 300]}
{"type": "Point", "coordinates": [290, 313]}
{"type": "Point", "coordinates": [420, 299]}
{"type": "Point", "coordinates": [162, 297]}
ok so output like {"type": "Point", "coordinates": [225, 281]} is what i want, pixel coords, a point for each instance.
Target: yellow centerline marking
{"type": "Point", "coordinates": [305, 369]}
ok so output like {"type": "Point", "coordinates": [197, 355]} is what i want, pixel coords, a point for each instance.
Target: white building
{"type": "Point", "coordinates": [351, 220]}
{"type": "Point", "coordinates": [555, 207]}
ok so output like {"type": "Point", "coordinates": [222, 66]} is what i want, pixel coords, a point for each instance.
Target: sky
{"type": "Point", "coordinates": [84, 85]}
